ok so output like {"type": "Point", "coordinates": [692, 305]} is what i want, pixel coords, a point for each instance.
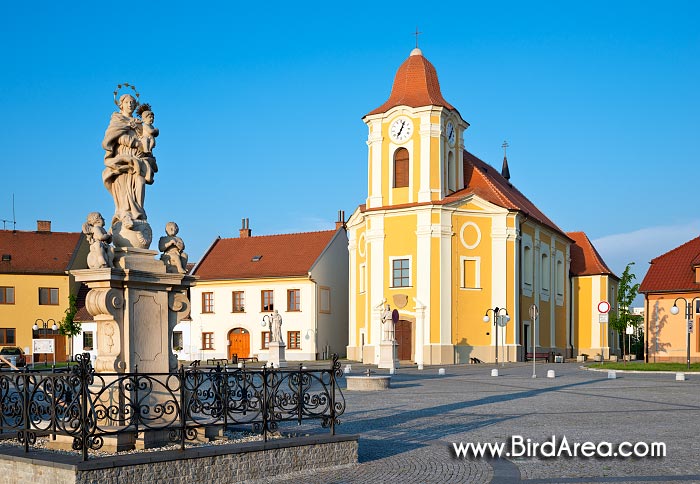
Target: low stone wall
{"type": "Point", "coordinates": [218, 463]}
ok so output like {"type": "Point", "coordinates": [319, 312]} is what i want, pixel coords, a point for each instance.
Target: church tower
{"type": "Point", "coordinates": [415, 140]}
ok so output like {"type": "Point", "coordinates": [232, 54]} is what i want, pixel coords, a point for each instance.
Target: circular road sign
{"type": "Point", "coordinates": [603, 307]}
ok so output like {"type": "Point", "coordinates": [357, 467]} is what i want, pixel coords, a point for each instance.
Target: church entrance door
{"type": "Point", "coordinates": [403, 339]}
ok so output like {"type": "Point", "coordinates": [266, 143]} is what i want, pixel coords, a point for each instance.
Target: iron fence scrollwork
{"type": "Point", "coordinates": [90, 407]}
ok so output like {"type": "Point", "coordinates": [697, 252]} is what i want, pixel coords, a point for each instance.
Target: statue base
{"type": "Point", "coordinates": [276, 354]}
{"type": "Point", "coordinates": [387, 355]}
{"type": "Point", "coordinates": [136, 305]}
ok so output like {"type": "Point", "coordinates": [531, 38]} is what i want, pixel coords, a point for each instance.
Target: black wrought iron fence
{"type": "Point", "coordinates": [90, 407]}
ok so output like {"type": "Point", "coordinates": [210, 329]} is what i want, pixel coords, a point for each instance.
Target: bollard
{"type": "Point", "coordinates": [680, 376]}
{"type": "Point", "coordinates": [441, 372]}
{"type": "Point", "coordinates": [612, 375]}
{"type": "Point", "coordinates": [420, 366]}
{"type": "Point", "coordinates": [348, 369]}
{"type": "Point", "coordinates": [392, 371]}
{"type": "Point", "coordinates": [240, 365]}
{"type": "Point", "coordinates": [550, 374]}
{"type": "Point", "coordinates": [494, 372]}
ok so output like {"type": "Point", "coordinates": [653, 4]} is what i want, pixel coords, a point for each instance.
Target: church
{"type": "Point", "coordinates": [452, 246]}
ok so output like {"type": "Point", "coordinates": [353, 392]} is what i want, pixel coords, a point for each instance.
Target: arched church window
{"type": "Point", "coordinates": [451, 175]}
{"type": "Point", "coordinates": [401, 168]}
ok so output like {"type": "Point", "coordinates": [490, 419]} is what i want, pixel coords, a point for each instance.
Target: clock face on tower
{"type": "Point", "coordinates": [401, 129]}
{"type": "Point", "coordinates": [450, 131]}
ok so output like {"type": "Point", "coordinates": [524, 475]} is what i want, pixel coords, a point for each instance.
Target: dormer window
{"type": "Point", "coordinates": [256, 258]}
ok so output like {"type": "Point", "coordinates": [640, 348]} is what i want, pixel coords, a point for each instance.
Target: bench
{"type": "Point", "coordinates": [217, 361]}
{"type": "Point", "coordinates": [538, 356]}
{"type": "Point", "coordinates": [475, 361]}
{"type": "Point", "coordinates": [249, 359]}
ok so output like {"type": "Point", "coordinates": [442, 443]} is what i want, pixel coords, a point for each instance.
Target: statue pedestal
{"type": "Point", "coordinates": [136, 305]}
{"type": "Point", "coordinates": [276, 354]}
{"type": "Point", "coordinates": [387, 355]}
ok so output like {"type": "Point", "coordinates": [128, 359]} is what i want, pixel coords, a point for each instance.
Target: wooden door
{"type": "Point", "coordinates": [239, 343]}
{"type": "Point", "coordinates": [403, 339]}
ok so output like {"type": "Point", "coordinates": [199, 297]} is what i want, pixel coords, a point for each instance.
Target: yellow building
{"type": "Point", "coordinates": [592, 283]}
{"type": "Point", "coordinates": [443, 237]}
{"type": "Point", "coordinates": [35, 283]}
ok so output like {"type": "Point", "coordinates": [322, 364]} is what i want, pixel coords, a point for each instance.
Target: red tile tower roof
{"type": "Point", "coordinates": [279, 256]}
{"type": "Point", "coordinates": [673, 271]}
{"type": "Point", "coordinates": [585, 259]}
{"type": "Point", "coordinates": [415, 84]}
{"type": "Point", "coordinates": [39, 252]}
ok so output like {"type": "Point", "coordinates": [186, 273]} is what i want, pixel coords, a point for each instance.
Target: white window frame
{"type": "Point", "coordinates": [545, 272]}
{"type": "Point", "coordinates": [559, 278]}
{"type": "Point", "coordinates": [528, 265]}
{"type": "Point", "coordinates": [362, 279]}
{"type": "Point", "coordinates": [410, 270]}
{"type": "Point", "coordinates": [477, 273]}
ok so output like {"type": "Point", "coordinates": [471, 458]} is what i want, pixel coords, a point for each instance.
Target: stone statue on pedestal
{"type": "Point", "coordinates": [276, 328]}
{"type": "Point", "coordinates": [387, 324]}
{"type": "Point", "coordinates": [129, 167]}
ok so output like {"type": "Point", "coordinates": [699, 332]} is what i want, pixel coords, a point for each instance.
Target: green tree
{"type": "Point", "coordinates": [68, 326]}
{"type": "Point", "coordinates": [626, 293]}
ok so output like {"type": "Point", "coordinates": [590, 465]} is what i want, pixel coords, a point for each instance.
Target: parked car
{"type": "Point", "coordinates": [9, 352]}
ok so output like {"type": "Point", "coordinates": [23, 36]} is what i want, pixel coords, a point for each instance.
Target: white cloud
{"type": "Point", "coordinates": [643, 245]}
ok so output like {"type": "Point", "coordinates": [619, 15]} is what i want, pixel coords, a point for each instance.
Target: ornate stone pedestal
{"type": "Point", "coordinates": [136, 305]}
{"type": "Point", "coordinates": [276, 355]}
{"type": "Point", "coordinates": [387, 355]}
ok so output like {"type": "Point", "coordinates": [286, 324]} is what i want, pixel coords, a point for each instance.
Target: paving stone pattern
{"type": "Point", "coordinates": [407, 431]}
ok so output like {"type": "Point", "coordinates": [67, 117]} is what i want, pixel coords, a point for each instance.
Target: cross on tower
{"type": "Point", "coordinates": [417, 34]}
{"type": "Point", "coordinates": [505, 145]}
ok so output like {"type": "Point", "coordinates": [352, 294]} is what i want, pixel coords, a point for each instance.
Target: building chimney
{"type": "Point", "coordinates": [43, 225]}
{"type": "Point", "coordinates": [341, 220]}
{"type": "Point", "coordinates": [244, 231]}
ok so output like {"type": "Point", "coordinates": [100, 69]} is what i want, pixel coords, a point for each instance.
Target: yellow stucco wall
{"type": "Point", "coordinates": [469, 304]}
{"type": "Point", "coordinates": [667, 333]}
{"type": "Point", "coordinates": [26, 310]}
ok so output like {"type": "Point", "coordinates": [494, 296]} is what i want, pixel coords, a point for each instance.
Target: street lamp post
{"type": "Point", "coordinates": [45, 327]}
{"type": "Point", "coordinates": [534, 313]}
{"type": "Point", "coordinates": [500, 318]}
{"type": "Point", "coordinates": [689, 321]}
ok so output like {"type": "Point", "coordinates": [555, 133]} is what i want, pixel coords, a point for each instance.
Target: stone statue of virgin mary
{"type": "Point", "coordinates": [129, 167]}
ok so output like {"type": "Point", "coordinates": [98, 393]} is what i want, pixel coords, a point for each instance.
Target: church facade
{"type": "Point", "coordinates": [444, 239]}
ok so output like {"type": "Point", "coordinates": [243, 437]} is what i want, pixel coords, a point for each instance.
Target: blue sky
{"type": "Point", "coordinates": [259, 107]}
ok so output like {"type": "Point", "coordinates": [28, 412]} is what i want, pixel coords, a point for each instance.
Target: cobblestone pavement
{"type": "Point", "coordinates": [406, 432]}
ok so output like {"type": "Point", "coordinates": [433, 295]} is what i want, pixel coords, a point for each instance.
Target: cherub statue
{"type": "Point", "coordinates": [173, 249]}
{"type": "Point", "coordinates": [101, 253]}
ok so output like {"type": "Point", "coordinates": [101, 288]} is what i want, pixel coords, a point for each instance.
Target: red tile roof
{"type": "Point", "coordinates": [673, 271]}
{"type": "Point", "coordinates": [82, 315]}
{"type": "Point", "coordinates": [415, 84]}
{"type": "Point", "coordinates": [585, 259]}
{"type": "Point", "coordinates": [282, 255]}
{"type": "Point", "coordinates": [485, 181]}
{"type": "Point", "coordinates": [37, 252]}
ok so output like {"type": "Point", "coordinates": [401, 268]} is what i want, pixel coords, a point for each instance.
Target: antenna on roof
{"type": "Point", "coordinates": [14, 221]}
{"type": "Point", "coordinates": [505, 172]}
